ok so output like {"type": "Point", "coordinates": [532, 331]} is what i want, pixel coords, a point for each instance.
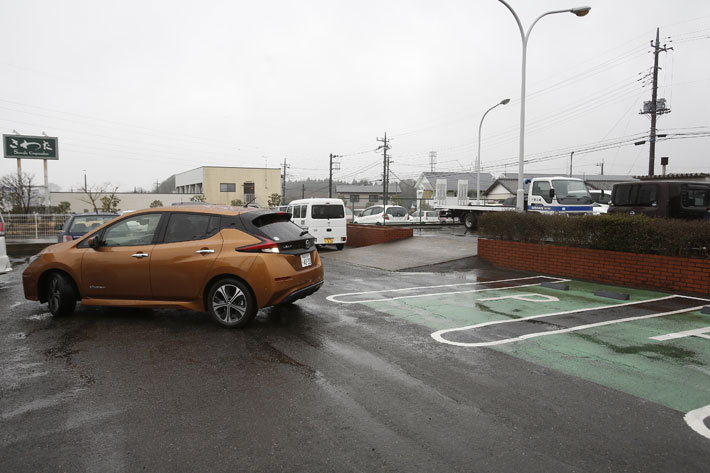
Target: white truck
{"type": "Point", "coordinates": [547, 195]}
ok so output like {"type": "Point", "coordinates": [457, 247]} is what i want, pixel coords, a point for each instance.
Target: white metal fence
{"type": "Point", "coordinates": [33, 226]}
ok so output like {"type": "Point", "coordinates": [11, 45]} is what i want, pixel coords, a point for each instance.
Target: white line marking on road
{"type": "Point", "coordinates": [525, 296]}
{"type": "Point", "coordinates": [334, 297]}
{"type": "Point", "coordinates": [15, 305]}
{"type": "Point", "coordinates": [698, 332]}
{"type": "Point", "coordinates": [696, 420]}
{"type": "Point", "coordinates": [438, 336]}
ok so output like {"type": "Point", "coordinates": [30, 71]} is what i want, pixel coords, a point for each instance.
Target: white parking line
{"type": "Point", "coordinates": [698, 332]}
{"type": "Point", "coordinates": [335, 297]}
{"type": "Point", "coordinates": [438, 336]}
{"type": "Point", "coordinates": [696, 420]}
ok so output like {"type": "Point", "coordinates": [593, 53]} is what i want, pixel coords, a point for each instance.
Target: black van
{"type": "Point", "coordinates": [665, 199]}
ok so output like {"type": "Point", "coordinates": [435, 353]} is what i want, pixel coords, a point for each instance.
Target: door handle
{"type": "Point", "coordinates": [204, 251]}
{"type": "Point", "coordinates": [139, 255]}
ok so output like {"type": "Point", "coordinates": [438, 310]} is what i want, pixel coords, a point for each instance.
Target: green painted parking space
{"type": "Point", "coordinates": [672, 370]}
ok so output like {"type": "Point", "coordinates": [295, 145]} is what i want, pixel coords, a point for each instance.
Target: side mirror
{"type": "Point", "coordinates": [552, 193]}
{"type": "Point", "coordinates": [94, 242]}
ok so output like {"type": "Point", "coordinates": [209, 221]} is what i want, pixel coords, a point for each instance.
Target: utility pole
{"type": "Point", "coordinates": [303, 190]}
{"type": "Point", "coordinates": [386, 166]}
{"type": "Point", "coordinates": [330, 178]}
{"type": "Point", "coordinates": [571, 155]}
{"type": "Point", "coordinates": [283, 184]}
{"type": "Point", "coordinates": [656, 106]}
{"type": "Point", "coordinates": [601, 165]}
{"type": "Point", "coordinates": [432, 160]}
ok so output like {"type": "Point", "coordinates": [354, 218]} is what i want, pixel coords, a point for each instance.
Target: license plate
{"type": "Point", "coordinates": [328, 241]}
{"type": "Point", "coordinates": [306, 260]}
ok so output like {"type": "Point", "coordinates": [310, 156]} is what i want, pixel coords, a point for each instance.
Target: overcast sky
{"type": "Point", "coordinates": [139, 90]}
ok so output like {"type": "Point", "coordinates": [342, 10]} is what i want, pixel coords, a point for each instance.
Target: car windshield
{"type": "Point", "coordinates": [568, 191]}
{"type": "Point", "coordinates": [84, 223]}
{"type": "Point", "coordinates": [600, 198]}
{"type": "Point", "coordinates": [327, 211]}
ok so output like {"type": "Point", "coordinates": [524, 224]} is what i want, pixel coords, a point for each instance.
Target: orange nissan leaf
{"type": "Point", "coordinates": [226, 261]}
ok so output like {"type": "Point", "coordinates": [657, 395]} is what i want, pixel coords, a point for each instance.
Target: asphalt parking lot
{"type": "Point", "coordinates": [431, 369]}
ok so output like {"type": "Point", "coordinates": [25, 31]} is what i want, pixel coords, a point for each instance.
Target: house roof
{"type": "Point", "coordinates": [452, 179]}
{"type": "Point", "coordinates": [392, 188]}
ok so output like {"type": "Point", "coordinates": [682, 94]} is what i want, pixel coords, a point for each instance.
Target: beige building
{"type": "Point", "coordinates": [222, 185]}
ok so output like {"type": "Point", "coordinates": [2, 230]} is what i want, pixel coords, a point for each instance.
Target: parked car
{"type": "Point", "coordinates": [225, 261]}
{"type": "Point", "coordinates": [4, 260]}
{"type": "Point", "coordinates": [349, 215]}
{"type": "Point", "coordinates": [323, 218]}
{"type": "Point", "coordinates": [424, 216]}
{"type": "Point", "coordinates": [78, 224]}
{"type": "Point", "coordinates": [600, 199]}
{"type": "Point", "coordinates": [376, 214]}
{"type": "Point", "coordinates": [665, 199]}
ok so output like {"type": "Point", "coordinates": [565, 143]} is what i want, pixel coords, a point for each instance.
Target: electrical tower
{"type": "Point", "coordinates": [656, 106]}
{"type": "Point", "coordinates": [432, 160]}
{"type": "Point", "coordinates": [334, 166]}
{"type": "Point", "coordinates": [385, 146]}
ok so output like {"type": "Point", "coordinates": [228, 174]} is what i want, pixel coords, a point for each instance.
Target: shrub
{"type": "Point", "coordinates": [626, 233]}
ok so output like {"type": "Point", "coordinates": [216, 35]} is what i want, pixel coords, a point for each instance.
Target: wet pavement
{"type": "Point", "coordinates": [323, 386]}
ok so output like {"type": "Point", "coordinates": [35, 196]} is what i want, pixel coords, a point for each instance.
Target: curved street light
{"type": "Point", "coordinates": [478, 156]}
{"type": "Point", "coordinates": [578, 11]}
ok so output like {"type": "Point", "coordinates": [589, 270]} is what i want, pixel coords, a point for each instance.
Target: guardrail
{"type": "Point", "coordinates": [24, 227]}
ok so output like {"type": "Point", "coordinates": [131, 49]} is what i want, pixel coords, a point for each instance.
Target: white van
{"type": "Point", "coordinates": [323, 218]}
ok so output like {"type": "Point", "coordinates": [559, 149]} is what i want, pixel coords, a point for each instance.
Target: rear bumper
{"type": "Point", "coordinates": [301, 293]}
{"type": "Point", "coordinates": [5, 264]}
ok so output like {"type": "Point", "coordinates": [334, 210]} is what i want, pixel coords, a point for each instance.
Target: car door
{"type": "Point", "coordinates": [184, 256]}
{"type": "Point", "coordinates": [119, 268]}
{"type": "Point", "coordinates": [374, 215]}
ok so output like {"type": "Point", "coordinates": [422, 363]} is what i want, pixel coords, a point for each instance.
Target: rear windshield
{"type": "Point", "coordinates": [85, 223]}
{"type": "Point", "coordinates": [278, 227]}
{"type": "Point", "coordinates": [327, 211]}
{"type": "Point", "coordinates": [396, 211]}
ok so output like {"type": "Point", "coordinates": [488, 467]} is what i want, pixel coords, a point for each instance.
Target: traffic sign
{"type": "Point", "coordinates": [30, 147]}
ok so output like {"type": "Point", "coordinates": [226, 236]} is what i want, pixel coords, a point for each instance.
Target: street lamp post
{"type": "Point", "coordinates": [478, 157]}
{"type": "Point", "coordinates": [579, 11]}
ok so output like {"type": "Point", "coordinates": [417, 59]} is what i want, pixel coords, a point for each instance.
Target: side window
{"type": "Point", "coordinates": [290, 210]}
{"type": "Point", "coordinates": [187, 227]}
{"type": "Point", "coordinates": [133, 231]}
{"type": "Point", "coordinates": [542, 189]}
{"type": "Point", "coordinates": [647, 195]}
{"type": "Point", "coordinates": [367, 212]}
{"type": "Point", "coordinates": [302, 212]}
{"type": "Point", "coordinates": [621, 195]}
{"type": "Point", "coordinates": [377, 210]}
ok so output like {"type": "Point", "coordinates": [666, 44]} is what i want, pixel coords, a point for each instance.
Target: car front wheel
{"type": "Point", "coordinates": [230, 303]}
{"type": "Point", "coordinates": [60, 295]}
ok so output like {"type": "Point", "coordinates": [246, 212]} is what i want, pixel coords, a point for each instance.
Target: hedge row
{"type": "Point", "coordinates": [631, 234]}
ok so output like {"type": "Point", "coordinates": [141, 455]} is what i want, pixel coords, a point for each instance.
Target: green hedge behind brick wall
{"type": "Point", "coordinates": [627, 233]}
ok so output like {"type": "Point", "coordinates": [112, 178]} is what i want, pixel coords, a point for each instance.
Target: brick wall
{"type": "Point", "coordinates": [364, 235]}
{"type": "Point", "coordinates": [689, 275]}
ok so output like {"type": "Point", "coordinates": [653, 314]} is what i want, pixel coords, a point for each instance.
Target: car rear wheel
{"type": "Point", "coordinates": [60, 295]}
{"type": "Point", "coordinates": [231, 303]}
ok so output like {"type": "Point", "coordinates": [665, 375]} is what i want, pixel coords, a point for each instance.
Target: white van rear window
{"type": "Point", "coordinates": [327, 211]}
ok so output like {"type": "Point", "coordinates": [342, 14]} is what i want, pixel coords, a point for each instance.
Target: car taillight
{"type": "Point", "coordinates": [67, 238]}
{"type": "Point", "coordinates": [266, 246]}
{"type": "Point", "coordinates": [2, 228]}
{"type": "Point", "coordinates": [386, 217]}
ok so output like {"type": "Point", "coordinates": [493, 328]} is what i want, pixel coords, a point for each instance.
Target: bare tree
{"type": "Point", "coordinates": [92, 194]}
{"type": "Point", "coordinates": [19, 191]}
{"type": "Point", "coordinates": [109, 202]}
